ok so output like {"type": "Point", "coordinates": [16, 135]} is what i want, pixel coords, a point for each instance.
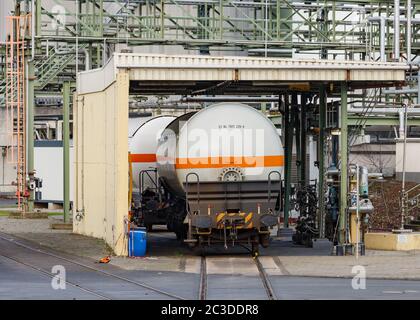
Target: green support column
{"type": "Point", "coordinates": [288, 145]}
{"type": "Point", "coordinates": [295, 115]}
{"type": "Point", "coordinates": [321, 162]}
{"type": "Point", "coordinates": [303, 139]}
{"type": "Point", "coordinates": [101, 19]}
{"type": "Point", "coordinates": [343, 167]}
{"type": "Point", "coordinates": [30, 137]}
{"type": "Point", "coordinates": [38, 21]}
{"type": "Point", "coordinates": [66, 151]}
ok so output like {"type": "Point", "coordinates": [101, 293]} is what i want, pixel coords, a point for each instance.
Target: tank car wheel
{"type": "Point", "coordinates": [264, 240]}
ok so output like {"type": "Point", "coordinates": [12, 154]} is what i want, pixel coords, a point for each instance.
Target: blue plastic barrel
{"type": "Point", "coordinates": [137, 243]}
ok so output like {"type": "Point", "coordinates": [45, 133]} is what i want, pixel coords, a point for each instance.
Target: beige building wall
{"type": "Point", "coordinates": [101, 153]}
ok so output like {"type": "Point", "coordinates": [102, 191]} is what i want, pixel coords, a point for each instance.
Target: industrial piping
{"type": "Point", "coordinates": [397, 30]}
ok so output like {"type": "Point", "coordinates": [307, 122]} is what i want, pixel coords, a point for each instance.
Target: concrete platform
{"type": "Point", "coordinates": [392, 241]}
{"type": "Point", "coordinates": [28, 215]}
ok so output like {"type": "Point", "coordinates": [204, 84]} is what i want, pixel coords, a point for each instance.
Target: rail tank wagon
{"type": "Point", "coordinates": [224, 165]}
{"type": "Point", "coordinates": [142, 145]}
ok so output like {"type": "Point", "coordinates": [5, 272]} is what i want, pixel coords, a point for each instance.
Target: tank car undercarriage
{"type": "Point", "coordinates": [232, 213]}
{"type": "Point", "coordinates": [230, 229]}
{"type": "Point", "coordinates": [214, 213]}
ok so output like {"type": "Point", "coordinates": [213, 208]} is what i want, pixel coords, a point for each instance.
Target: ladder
{"type": "Point", "coordinates": [15, 100]}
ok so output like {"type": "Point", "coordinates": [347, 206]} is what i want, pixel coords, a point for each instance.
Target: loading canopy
{"type": "Point", "coordinates": [185, 74]}
{"type": "Point", "coordinates": [101, 114]}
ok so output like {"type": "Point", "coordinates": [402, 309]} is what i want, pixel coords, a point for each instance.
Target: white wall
{"type": "Point", "coordinates": [49, 167]}
{"type": "Point", "coordinates": [7, 167]}
{"type": "Point", "coordinates": [412, 165]}
{"type": "Point", "coordinates": [5, 7]}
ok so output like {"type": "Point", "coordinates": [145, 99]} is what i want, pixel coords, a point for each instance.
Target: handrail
{"type": "Point", "coordinates": [198, 187]}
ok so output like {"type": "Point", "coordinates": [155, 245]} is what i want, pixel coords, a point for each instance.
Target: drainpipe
{"type": "Point", "coordinates": [30, 132]}
{"type": "Point", "coordinates": [401, 116]}
{"type": "Point", "coordinates": [66, 152]}
{"type": "Point", "coordinates": [87, 60]}
{"type": "Point", "coordinates": [396, 30]}
{"type": "Point", "coordinates": [408, 31]}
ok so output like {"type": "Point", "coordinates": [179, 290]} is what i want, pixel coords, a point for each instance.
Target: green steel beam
{"type": "Point", "coordinates": [66, 151]}
{"type": "Point", "coordinates": [295, 115]}
{"type": "Point", "coordinates": [244, 30]}
{"type": "Point", "coordinates": [343, 167]}
{"type": "Point", "coordinates": [321, 160]}
{"type": "Point", "coordinates": [303, 106]}
{"type": "Point", "coordinates": [288, 144]}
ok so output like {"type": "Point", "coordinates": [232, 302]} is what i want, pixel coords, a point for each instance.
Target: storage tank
{"type": "Point", "coordinates": [142, 147]}
{"type": "Point", "coordinates": [223, 142]}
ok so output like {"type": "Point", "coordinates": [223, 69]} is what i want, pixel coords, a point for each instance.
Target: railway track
{"type": "Point", "coordinates": [50, 275]}
{"type": "Point", "coordinates": [103, 273]}
{"type": "Point", "coordinates": [265, 281]}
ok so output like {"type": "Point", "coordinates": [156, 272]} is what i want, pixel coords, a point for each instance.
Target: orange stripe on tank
{"type": "Point", "coordinates": [142, 157]}
{"type": "Point", "coordinates": [223, 162]}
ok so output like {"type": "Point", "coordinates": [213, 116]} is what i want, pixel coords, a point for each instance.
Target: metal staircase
{"type": "Point", "coordinates": [127, 9]}
{"type": "Point", "coordinates": [47, 70]}
{"type": "Point", "coordinates": [411, 200]}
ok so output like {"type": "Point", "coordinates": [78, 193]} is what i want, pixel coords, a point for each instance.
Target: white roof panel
{"type": "Point", "coordinates": [153, 67]}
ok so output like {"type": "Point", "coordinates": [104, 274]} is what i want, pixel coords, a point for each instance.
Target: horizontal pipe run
{"type": "Point", "coordinates": [230, 99]}
{"type": "Point", "coordinates": [384, 111]}
{"type": "Point", "coordinates": [402, 91]}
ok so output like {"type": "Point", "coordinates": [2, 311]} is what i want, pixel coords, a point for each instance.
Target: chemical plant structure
{"type": "Point", "coordinates": [106, 81]}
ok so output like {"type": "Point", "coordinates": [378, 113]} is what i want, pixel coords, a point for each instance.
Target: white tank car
{"type": "Point", "coordinates": [223, 142]}
{"type": "Point", "coordinates": [142, 147]}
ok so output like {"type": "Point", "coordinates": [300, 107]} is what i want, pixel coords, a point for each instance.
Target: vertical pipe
{"type": "Point", "coordinates": [401, 130]}
{"type": "Point", "coordinates": [221, 19]}
{"type": "Point", "coordinates": [288, 143]}
{"type": "Point", "coordinates": [357, 210]}
{"type": "Point", "coordinates": [33, 29]}
{"type": "Point", "coordinates": [321, 164]}
{"type": "Point", "coordinates": [101, 20]}
{"type": "Point", "coordinates": [303, 103]}
{"type": "Point", "coordinates": [162, 19]}
{"type": "Point", "coordinates": [397, 30]}
{"type": "Point", "coordinates": [408, 31]}
{"type": "Point", "coordinates": [278, 13]}
{"type": "Point", "coordinates": [404, 198]}
{"type": "Point", "coordinates": [343, 170]}
{"type": "Point", "coordinates": [382, 38]}
{"type": "Point", "coordinates": [30, 124]}
{"type": "Point", "coordinates": [66, 151]}
{"type": "Point", "coordinates": [295, 115]}
{"type": "Point", "coordinates": [38, 18]}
